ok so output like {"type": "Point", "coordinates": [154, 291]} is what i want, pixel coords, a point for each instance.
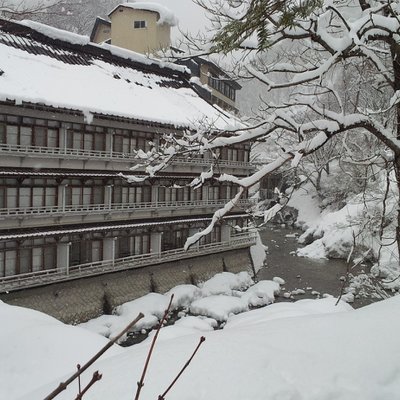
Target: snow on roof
{"type": "Point", "coordinates": [71, 74]}
{"type": "Point", "coordinates": [57, 34]}
{"type": "Point", "coordinates": [166, 15]}
{"type": "Point", "coordinates": [82, 40]}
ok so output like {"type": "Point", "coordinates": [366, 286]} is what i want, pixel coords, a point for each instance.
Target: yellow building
{"type": "Point", "coordinates": [141, 27]}
{"type": "Point", "coordinates": [145, 28]}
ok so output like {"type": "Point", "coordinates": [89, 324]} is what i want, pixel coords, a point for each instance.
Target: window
{"type": "Point", "coordinates": [139, 24]}
{"type": "Point", "coordinates": [31, 255]}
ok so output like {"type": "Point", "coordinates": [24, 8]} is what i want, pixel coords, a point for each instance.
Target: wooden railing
{"type": "Point", "coordinates": [40, 278]}
{"type": "Point", "coordinates": [117, 207]}
{"type": "Point", "coordinates": [20, 150]}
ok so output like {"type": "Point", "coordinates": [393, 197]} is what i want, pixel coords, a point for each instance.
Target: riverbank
{"type": "Point", "coordinates": [305, 277]}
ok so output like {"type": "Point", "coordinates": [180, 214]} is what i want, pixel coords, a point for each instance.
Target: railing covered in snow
{"type": "Point", "coordinates": [40, 278]}
{"type": "Point", "coordinates": [117, 207]}
{"type": "Point", "coordinates": [20, 150]}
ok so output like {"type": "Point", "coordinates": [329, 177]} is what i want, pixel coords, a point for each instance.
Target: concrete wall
{"type": "Point", "coordinates": [83, 299]}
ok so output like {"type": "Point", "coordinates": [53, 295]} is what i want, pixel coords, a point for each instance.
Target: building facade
{"type": "Point", "coordinates": [146, 28]}
{"type": "Point", "coordinates": [213, 83]}
{"type": "Point", "coordinates": [71, 130]}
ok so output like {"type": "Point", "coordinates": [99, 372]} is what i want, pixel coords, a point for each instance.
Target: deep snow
{"type": "Point", "coordinates": [310, 349]}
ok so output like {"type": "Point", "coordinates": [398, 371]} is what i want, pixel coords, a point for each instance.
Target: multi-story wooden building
{"type": "Point", "coordinates": [74, 119]}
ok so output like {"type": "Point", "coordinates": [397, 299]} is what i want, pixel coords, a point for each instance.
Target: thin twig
{"type": "Point", "coordinates": [63, 385]}
{"type": "Point", "coordinates": [140, 384]}
{"type": "Point", "coordinates": [79, 379]}
{"type": "Point", "coordinates": [96, 377]}
{"type": "Point", "coordinates": [162, 397]}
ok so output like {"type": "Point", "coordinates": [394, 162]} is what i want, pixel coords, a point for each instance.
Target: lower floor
{"type": "Point", "coordinates": [79, 300]}
{"type": "Point", "coordinates": [35, 252]}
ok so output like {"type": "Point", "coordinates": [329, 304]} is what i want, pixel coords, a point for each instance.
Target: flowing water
{"type": "Point", "coordinates": [310, 275]}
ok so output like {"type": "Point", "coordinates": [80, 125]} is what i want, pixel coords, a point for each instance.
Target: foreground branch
{"type": "Point", "coordinates": [162, 396]}
{"type": "Point", "coordinates": [63, 385]}
{"type": "Point", "coordinates": [140, 384]}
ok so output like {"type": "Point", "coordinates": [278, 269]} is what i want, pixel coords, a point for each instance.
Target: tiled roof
{"type": "Point", "coordinates": [40, 67]}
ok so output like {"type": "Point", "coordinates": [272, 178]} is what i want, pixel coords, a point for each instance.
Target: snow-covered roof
{"type": "Point", "coordinates": [166, 15]}
{"type": "Point", "coordinates": [85, 173]}
{"type": "Point", "coordinates": [46, 66]}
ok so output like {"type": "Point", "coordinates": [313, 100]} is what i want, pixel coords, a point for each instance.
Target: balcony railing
{"type": "Point", "coordinates": [116, 207]}
{"type": "Point", "coordinates": [40, 278]}
{"type": "Point", "coordinates": [20, 150]}
{"type": "Point", "coordinates": [207, 162]}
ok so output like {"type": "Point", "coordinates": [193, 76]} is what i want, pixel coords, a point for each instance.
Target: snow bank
{"type": "Point", "coordinates": [184, 295]}
{"type": "Point", "coordinates": [257, 253]}
{"type": "Point", "coordinates": [299, 308]}
{"type": "Point", "coordinates": [305, 201]}
{"type": "Point", "coordinates": [330, 233]}
{"type": "Point", "coordinates": [226, 282]}
{"type": "Point", "coordinates": [218, 307]}
{"type": "Point", "coordinates": [261, 294]}
{"type": "Point", "coordinates": [36, 348]}
{"type": "Point", "coordinates": [189, 325]}
{"type": "Point", "coordinates": [190, 297]}
{"type": "Point", "coordinates": [152, 305]}
{"type": "Point", "coordinates": [314, 250]}
{"type": "Point", "coordinates": [318, 355]}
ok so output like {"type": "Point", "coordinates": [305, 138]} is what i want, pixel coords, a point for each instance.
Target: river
{"type": "Point", "coordinates": [310, 275]}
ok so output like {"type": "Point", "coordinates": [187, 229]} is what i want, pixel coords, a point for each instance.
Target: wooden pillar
{"type": "Point", "coordinates": [155, 242]}
{"type": "Point", "coordinates": [63, 255]}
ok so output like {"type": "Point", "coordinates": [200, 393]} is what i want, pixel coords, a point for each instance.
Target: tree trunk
{"type": "Point", "coordinates": [395, 54]}
{"type": "Point", "coordinates": [397, 171]}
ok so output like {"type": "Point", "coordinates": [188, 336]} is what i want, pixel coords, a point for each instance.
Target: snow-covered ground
{"type": "Point", "coordinates": [332, 231]}
{"type": "Point", "coordinates": [304, 350]}
{"type": "Point", "coordinates": [218, 298]}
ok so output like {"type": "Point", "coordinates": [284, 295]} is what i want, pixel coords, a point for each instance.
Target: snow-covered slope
{"type": "Point", "coordinates": [284, 351]}
{"type": "Point", "coordinates": [35, 348]}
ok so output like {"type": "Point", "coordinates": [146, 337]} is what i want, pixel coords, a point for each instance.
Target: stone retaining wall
{"type": "Point", "coordinates": [80, 300]}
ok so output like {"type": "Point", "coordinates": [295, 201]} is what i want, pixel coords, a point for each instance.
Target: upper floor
{"type": "Point", "coordinates": [213, 84]}
{"type": "Point", "coordinates": [30, 198]}
{"type": "Point", "coordinates": [34, 139]}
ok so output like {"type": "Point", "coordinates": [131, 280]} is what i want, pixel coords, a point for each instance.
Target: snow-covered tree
{"type": "Point", "coordinates": [20, 9]}
{"type": "Point", "coordinates": [77, 15]}
{"type": "Point", "coordinates": [339, 61]}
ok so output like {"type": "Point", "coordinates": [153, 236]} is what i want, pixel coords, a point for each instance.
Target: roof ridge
{"type": "Point", "coordinates": [45, 33]}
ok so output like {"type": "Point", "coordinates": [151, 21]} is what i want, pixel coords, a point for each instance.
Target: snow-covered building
{"type": "Point", "coordinates": [212, 83]}
{"type": "Point", "coordinates": [142, 27]}
{"type": "Point", "coordinates": [145, 27]}
{"type": "Point", "coordinates": [73, 116]}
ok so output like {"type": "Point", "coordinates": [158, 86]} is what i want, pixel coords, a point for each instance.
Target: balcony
{"type": "Point", "coordinates": [41, 278]}
{"type": "Point", "coordinates": [55, 211]}
{"type": "Point", "coordinates": [61, 154]}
